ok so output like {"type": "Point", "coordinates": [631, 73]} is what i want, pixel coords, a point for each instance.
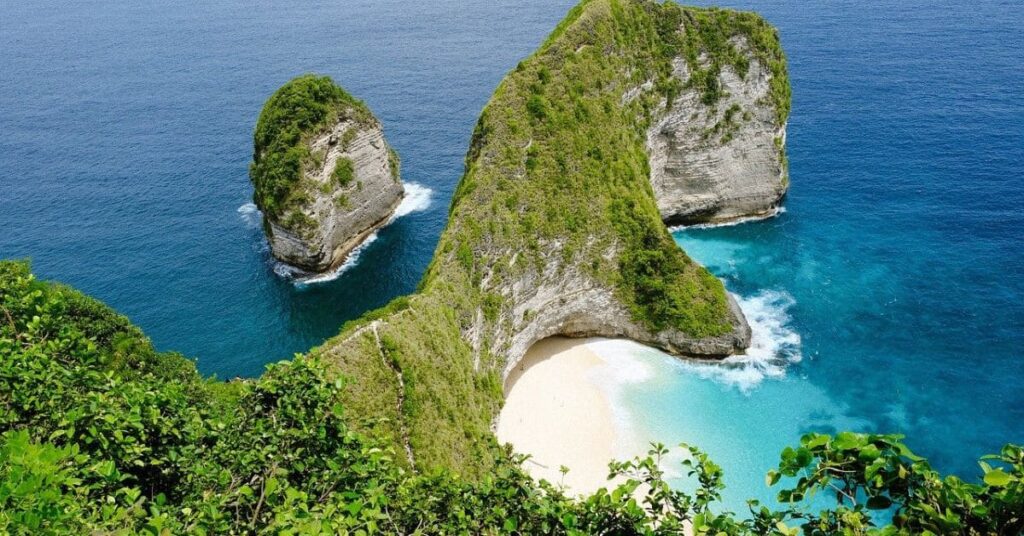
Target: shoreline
{"type": "Point", "coordinates": [415, 198]}
{"type": "Point", "coordinates": [559, 409]}
{"type": "Point", "coordinates": [730, 222]}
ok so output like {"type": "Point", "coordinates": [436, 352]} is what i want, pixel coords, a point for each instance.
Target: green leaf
{"type": "Point", "coordinates": [819, 441]}
{"type": "Point", "coordinates": [997, 478]}
{"type": "Point", "coordinates": [271, 485]}
{"type": "Point", "coordinates": [849, 440]}
{"type": "Point", "coordinates": [869, 453]}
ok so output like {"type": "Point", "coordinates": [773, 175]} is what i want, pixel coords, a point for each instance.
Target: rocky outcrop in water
{"type": "Point", "coordinates": [343, 214]}
{"type": "Point", "coordinates": [325, 177]}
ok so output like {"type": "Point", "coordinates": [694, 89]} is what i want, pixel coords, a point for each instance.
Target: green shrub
{"type": "Point", "coordinates": [344, 171]}
{"type": "Point", "coordinates": [89, 445]}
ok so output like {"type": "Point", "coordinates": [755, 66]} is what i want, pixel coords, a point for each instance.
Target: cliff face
{"type": "Point", "coordinates": [558, 300]}
{"type": "Point", "coordinates": [556, 227]}
{"type": "Point", "coordinates": [326, 180]}
{"type": "Point", "coordinates": [342, 215]}
{"type": "Point", "coordinates": [724, 161]}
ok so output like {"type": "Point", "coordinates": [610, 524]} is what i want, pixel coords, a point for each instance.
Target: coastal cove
{"type": "Point", "coordinates": [887, 297]}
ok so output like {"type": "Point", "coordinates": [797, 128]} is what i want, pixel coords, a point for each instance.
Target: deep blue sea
{"type": "Point", "coordinates": [890, 292]}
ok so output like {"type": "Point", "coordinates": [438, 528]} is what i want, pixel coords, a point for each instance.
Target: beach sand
{"type": "Point", "coordinates": [555, 412]}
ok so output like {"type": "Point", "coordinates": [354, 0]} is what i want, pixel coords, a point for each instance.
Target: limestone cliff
{"type": "Point", "coordinates": [724, 160]}
{"type": "Point", "coordinates": [325, 177]}
{"type": "Point", "coordinates": [555, 227]}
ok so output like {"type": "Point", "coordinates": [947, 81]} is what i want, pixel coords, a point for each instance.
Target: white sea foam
{"type": "Point", "coordinates": [774, 213]}
{"type": "Point", "coordinates": [774, 344]}
{"type": "Point", "coordinates": [250, 214]}
{"type": "Point", "coordinates": [624, 363]}
{"type": "Point", "coordinates": [303, 279]}
{"type": "Point", "coordinates": [417, 198]}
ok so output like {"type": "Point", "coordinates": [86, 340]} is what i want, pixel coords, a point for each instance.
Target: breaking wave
{"type": "Point", "coordinates": [303, 279]}
{"type": "Point", "coordinates": [417, 198]}
{"type": "Point", "coordinates": [250, 214]}
{"type": "Point", "coordinates": [774, 213]}
{"type": "Point", "coordinates": [774, 344]}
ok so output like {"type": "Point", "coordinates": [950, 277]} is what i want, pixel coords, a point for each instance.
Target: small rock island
{"type": "Point", "coordinates": [324, 176]}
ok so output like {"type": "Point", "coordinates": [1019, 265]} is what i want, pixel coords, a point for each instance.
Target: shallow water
{"type": "Point", "coordinates": [891, 292]}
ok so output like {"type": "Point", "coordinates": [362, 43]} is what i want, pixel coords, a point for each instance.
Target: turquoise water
{"type": "Point", "coordinates": [891, 292]}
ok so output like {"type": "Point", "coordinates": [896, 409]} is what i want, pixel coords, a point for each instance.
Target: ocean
{"type": "Point", "coordinates": [889, 296]}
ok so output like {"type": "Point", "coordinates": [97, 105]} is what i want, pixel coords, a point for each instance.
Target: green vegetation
{"type": "Point", "coordinates": [394, 163]}
{"type": "Point", "coordinates": [101, 434]}
{"type": "Point", "coordinates": [386, 427]}
{"type": "Point", "coordinates": [559, 156]}
{"type": "Point", "coordinates": [710, 43]}
{"type": "Point", "coordinates": [298, 111]}
{"type": "Point", "coordinates": [727, 127]}
{"type": "Point", "coordinates": [344, 171]}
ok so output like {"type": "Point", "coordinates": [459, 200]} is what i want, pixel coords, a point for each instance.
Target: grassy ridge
{"type": "Point", "coordinates": [556, 174]}
{"type": "Point", "coordinates": [558, 157]}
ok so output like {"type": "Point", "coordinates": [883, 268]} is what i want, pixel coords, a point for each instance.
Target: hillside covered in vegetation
{"type": "Point", "coordinates": [100, 434]}
{"type": "Point", "coordinates": [386, 428]}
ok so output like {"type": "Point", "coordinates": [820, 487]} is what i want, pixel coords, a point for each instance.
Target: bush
{"type": "Point", "coordinates": [90, 446]}
{"type": "Point", "coordinates": [344, 171]}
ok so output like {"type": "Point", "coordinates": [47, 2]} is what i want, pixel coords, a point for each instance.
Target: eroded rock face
{"type": "Point", "coordinates": [722, 162]}
{"type": "Point", "coordinates": [343, 207]}
{"type": "Point", "coordinates": [568, 302]}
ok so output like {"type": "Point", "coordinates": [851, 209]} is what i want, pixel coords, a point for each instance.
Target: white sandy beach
{"type": "Point", "coordinates": [556, 412]}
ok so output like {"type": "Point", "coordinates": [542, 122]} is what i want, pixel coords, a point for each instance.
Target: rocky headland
{"type": "Point", "coordinates": [324, 176]}
{"type": "Point", "coordinates": [630, 114]}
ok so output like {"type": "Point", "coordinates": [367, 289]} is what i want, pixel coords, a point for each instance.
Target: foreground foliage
{"type": "Point", "coordinates": [99, 433]}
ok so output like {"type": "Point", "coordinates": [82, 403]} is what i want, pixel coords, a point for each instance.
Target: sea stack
{"type": "Point", "coordinates": [324, 176]}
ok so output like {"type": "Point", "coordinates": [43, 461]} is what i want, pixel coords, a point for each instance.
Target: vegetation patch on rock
{"type": "Point", "coordinates": [299, 110]}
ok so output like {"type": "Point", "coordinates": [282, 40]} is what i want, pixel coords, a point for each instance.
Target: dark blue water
{"type": "Point", "coordinates": [125, 138]}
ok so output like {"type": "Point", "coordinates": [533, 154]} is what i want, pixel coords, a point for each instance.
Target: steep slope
{"type": "Point", "coordinates": [324, 176]}
{"type": "Point", "coordinates": [101, 434]}
{"type": "Point", "coordinates": [555, 228]}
